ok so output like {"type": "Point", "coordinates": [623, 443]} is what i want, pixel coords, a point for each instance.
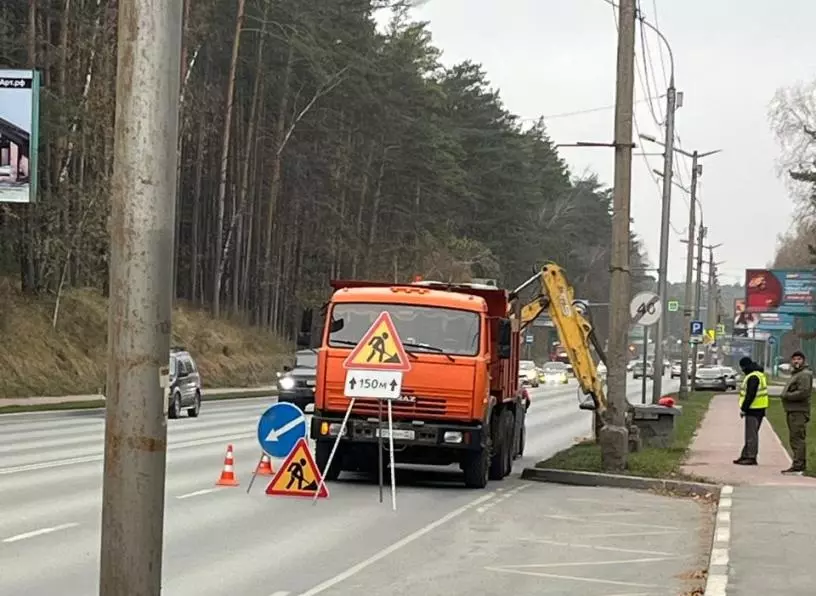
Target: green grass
{"type": "Point", "coordinates": [650, 462]}
{"type": "Point", "coordinates": [778, 420]}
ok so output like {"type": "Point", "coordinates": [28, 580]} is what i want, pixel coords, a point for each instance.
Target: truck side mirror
{"type": "Point", "coordinates": [505, 338]}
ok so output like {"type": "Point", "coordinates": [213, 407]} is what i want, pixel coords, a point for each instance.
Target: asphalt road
{"type": "Point", "coordinates": [222, 541]}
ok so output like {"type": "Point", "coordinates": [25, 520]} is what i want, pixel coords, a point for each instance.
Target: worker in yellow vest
{"type": "Point", "coordinates": [753, 403]}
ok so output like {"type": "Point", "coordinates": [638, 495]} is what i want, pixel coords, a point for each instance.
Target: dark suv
{"type": "Point", "coordinates": [297, 385]}
{"type": "Point", "coordinates": [185, 385]}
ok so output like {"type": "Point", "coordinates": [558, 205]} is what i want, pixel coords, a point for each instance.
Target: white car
{"type": "Point", "coordinates": [528, 373]}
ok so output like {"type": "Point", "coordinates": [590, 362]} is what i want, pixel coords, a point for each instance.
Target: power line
{"type": "Point", "coordinates": [644, 54]}
{"type": "Point", "coordinates": [592, 110]}
{"type": "Point", "coordinates": [660, 47]}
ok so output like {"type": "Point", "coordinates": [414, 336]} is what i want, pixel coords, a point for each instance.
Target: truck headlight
{"type": "Point", "coordinates": [286, 383]}
{"type": "Point", "coordinates": [452, 436]}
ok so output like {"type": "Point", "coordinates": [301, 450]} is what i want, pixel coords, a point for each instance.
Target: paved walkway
{"type": "Point", "coordinates": [768, 522]}
{"type": "Point", "coordinates": [719, 441]}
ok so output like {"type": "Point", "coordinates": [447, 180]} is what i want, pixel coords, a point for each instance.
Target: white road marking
{"type": "Point", "coordinates": [94, 458]}
{"type": "Point", "coordinates": [597, 547]}
{"type": "Point", "coordinates": [39, 532]}
{"type": "Point", "coordinates": [275, 433]}
{"type": "Point", "coordinates": [572, 578]}
{"type": "Point", "coordinates": [205, 491]}
{"type": "Point", "coordinates": [280, 593]}
{"type": "Point", "coordinates": [351, 571]}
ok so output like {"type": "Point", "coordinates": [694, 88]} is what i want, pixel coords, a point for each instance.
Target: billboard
{"type": "Point", "coordinates": [774, 321]}
{"type": "Point", "coordinates": [19, 124]}
{"type": "Point", "coordinates": [787, 291]}
{"type": "Point", "coordinates": [743, 321]}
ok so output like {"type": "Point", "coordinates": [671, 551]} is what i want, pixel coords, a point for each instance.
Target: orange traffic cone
{"type": "Point", "coordinates": [228, 473]}
{"type": "Point", "coordinates": [265, 466]}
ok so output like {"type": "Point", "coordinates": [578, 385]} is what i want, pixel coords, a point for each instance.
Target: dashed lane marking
{"type": "Point", "coordinates": [40, 532]}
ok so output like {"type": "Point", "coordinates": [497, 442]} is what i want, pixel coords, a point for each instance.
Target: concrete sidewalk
{"type": "Point", "coordinates": [765, 527]}
{"type": "Point", "coordinates": [212, 393]}
{"type": "Point", "coordinates": [719, 441]}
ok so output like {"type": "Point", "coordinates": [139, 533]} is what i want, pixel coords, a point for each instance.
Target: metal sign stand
{"type": "Point", "coordinates": [340, 433]}
{"type": "Point", "coordinates": [380, 447]}
{"type": "Point", "coordinates": [255, 473]}
{"type": "Point", "coordinates": [645, 364]}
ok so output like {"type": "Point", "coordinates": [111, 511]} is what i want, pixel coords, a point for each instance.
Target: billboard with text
{"type": "Point", "coordinates": [19, 123]}
{"type": "Point", "coordinates": [785, 291]}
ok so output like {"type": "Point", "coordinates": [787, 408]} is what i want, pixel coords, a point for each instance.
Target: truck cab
{"type": "Point", "coordinates": [460, 401]}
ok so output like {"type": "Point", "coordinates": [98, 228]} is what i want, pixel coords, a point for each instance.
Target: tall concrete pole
{"type": "Point", "coordinates": [711, 315]}
{"type": "Point", "coordinates": [688, 298]}
{"type": "Point", "coordinates": [614, 437]}
{"type": "Point", "coordinates": [698, 296]}
{"type": "Point", "coordinates": [141, 281]}
{"type": "Point", "coordinates": [665, 222]}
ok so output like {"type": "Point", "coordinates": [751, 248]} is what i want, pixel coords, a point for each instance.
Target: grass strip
{"type": "Point", "coordinates": [650, 462]}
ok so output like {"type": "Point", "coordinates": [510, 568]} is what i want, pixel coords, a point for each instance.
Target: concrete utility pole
{"type": "Point", "coordinates": [614, 437]}
{"type": "Point", "coordinates": [711, 310]}
{"type": "Point", "coordinates": [696, 172]}
{"type": "Point", "coordinates": [141, 281]}
{"type": "Point", "coordinates": [665, 222]}
{"type": "Point", "coordinates": [698, 297]}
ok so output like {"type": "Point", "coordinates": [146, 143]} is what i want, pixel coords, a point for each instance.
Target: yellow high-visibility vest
{"type": "Point", "coordinates": [761, 400]}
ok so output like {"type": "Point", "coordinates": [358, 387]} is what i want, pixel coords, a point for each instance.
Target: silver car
{"type": "Point", "coordinates": [711, 378]}
{"type": "Point", "coordinates": [185, 385]}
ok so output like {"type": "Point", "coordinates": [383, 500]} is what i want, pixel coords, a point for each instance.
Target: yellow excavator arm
{"type": "Point", "coordinates": [571, 319]}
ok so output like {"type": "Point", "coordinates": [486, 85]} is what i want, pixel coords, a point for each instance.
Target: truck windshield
{"type": "Point", "coordinates": [421, 328]}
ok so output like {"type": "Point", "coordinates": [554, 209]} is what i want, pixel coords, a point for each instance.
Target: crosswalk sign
{"type": "Point", "coordinates": [380, 349]}
{"type": "Point", "coordinates": [298, 476]}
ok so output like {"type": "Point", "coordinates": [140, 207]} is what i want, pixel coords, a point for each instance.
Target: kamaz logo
{"type": "Point", "coordinates": [407, 398]}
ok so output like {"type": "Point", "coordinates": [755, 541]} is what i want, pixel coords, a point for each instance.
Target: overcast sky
{"type": "Point", "coordinates": [551, 57]}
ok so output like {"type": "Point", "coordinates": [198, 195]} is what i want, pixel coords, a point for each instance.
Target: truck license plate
{"type": "Point", "coordinates": [405, 435]}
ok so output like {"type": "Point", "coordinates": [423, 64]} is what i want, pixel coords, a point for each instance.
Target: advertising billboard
{"type": "Point", "coordinates": [19, 123]}
{"type": "Point", "coordinates": [743, 321]}
{"type": "Point", "coordinates": [774, 321]}
{"type": "Point", "coordinates": [786, 291]}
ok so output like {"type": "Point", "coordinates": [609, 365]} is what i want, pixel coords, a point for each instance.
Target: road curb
{"type": "Point", "coordinates": [99, 403]}
{"type": "Point", "coordinates": [575, 478]}
{"type": "Point", "coordinates": [717, 578]}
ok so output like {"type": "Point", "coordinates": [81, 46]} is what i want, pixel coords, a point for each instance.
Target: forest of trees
{"type": "Point", "coordinates": [312, 146]}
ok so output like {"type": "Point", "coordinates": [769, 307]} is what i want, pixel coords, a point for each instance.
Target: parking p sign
{"type": "Point", "coordinates": [696, 331]}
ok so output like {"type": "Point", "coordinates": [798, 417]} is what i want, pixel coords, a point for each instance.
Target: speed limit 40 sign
{"type": "Point", "coordinates": [645, 308]}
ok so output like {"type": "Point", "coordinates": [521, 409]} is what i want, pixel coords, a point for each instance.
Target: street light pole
{"type": "Point", "coordinates": [665, 222]}
{"type": "Point", "coordinates": [141, 224]}
{"type": "Point", "coordinates": [700, 238]}
{"type": "Point", "coordinates": [687, 302]}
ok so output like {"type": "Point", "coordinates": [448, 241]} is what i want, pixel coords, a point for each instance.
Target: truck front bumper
{"type": "Point", "coordinates": [437, 433]}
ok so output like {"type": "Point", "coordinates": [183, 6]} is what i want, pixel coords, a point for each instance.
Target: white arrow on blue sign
{"type": "Point", "coordinates": [280, 427]}
{"type": "Point", "coordinates": [696, 328]}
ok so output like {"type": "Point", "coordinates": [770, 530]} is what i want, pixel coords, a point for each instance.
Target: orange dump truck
{"type": "Point", "coordinates": [461, 401]}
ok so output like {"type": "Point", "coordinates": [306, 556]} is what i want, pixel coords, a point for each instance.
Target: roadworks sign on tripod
{"type": "Point", "coordinates": [299, 476]}
{"type": "Point", "coordinates": [374, 370]}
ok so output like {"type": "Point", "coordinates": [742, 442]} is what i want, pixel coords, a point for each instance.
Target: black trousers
{"type": "Point", "coordinates": [751, 447]}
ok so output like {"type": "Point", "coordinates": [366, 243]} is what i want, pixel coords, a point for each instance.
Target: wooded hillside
{"type": "Point", "coordinates": [312, 147]}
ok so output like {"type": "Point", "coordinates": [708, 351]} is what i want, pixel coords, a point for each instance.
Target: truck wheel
{"type": "Point", "coordinates": [476, 467]}
{"type": "Point", "coordinates": [509, 440]}
{"type": "Point", "coordinates": [322, 451]}
{"type": "Point", "coordinates": [498, 460]}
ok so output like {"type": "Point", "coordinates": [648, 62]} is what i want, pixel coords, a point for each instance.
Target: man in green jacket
{"type": "Point", "coordinates": [796, 400]}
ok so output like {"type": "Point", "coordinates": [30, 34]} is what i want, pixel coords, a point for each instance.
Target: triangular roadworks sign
{"type": "Point", "coordinates": [298, 476]}
{"type": "Point", "coordinates": [380, 349]}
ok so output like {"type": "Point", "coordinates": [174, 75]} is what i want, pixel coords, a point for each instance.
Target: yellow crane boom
{"type": "Point", "coordinates": [572, 320]}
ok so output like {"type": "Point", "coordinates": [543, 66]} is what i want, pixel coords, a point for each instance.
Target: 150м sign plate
{"type": "Point", "coordinates": [374, 384]}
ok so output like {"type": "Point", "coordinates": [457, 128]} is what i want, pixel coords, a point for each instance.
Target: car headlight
{"type": "Point", "coordinates": [286, 383]}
